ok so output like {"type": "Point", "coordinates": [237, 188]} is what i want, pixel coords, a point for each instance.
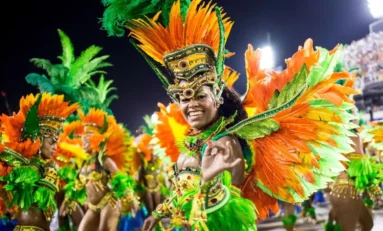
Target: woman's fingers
{"type": "Point", "coordinates": [208, 150]}
{"type": "Point", "coordinates": [218, 148]}
{"type": "Point", "coordinates": [228, 151]}
{"type": "Point", "coordinates": [236, 162]}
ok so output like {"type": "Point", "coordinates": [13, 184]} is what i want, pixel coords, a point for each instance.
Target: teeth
{"type": "Point", "coordinates": [195, 113]}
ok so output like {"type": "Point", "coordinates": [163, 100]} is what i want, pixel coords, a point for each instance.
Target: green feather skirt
{"type": "Point", "coordinates": [237, 214]}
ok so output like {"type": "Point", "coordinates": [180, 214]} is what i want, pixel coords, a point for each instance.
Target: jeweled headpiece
{"type": "Point", "coordinates": [40, 115]}
{"type": "Point", "coordinates": [44, 115]}
{"type": "Point", "coordinates": [95, 121]}
{"type": "Point", "coordinates": [189, 41]}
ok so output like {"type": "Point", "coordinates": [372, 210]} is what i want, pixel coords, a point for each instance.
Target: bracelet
{"type": "Point", "coordinates": [70, 205]}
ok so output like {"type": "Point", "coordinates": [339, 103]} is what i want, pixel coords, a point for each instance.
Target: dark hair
{"type": "Point", "coordinates": [231, 104]}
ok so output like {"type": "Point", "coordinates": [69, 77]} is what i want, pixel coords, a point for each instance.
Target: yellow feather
{"type": "Point", "coordinates": [322, 114]}
{"type": "Point", "coordinates": [75, 149]}
{"type": "Point", "coordinates": [177, 129]}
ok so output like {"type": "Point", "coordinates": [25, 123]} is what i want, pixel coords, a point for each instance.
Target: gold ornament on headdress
{"type": "Point", "coordinates": [94, 120]}
{"type": "Point", "coordinates": [52, 112]}
{"type": "Point", "coordinates": [40, 115]}
{"type": "Point", "coordinates": [191, 49]}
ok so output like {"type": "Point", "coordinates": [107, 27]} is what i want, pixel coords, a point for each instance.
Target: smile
{"type": "Point", "coordinates": [194, 114]}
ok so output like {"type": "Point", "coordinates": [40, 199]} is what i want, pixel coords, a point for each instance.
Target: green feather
{"type": "Point", "coordinates": [75, 195]}
{"type": "Point", "coordinates": [118, 13]}
{"type": "Point", "coordinates": [41, 81]}
{"type": "Point", "coordinates": [167, 6]}
{"type": "Point", "coordinates": [329, 159]}
{"type": "Point", "coordinates": [184, 8]}
{"type": "Point", "coordinates": [325, 67]}
{"type": "Point", "coordinates": [109, 100]}
{"type": "Point", "coordinates": [67, 56]}
{"type": "Point", "coordinates": [58, 74]}
{"type": "Point", "coordinates": [290, 90]}
{"type": "Point", "coordinates": [257, 129]}
{"type": "Point", "coordinates": [70, 94]}
{"type": "Point", "coordinates": [280, 101]}
{"type": "Point", "coordinates": [13, 158]}
{"type": "Point", "coordinates": [323, 103]}
{"type": "Point", "coordinates": [368, 202]}
{"type": "Point", "coordinates": [148, 128]}
{"type": "Point", "coordinates": [344, 143]}
{"type": "Point", "coordinates": [103, 89]}
{"type": "Point", "coordinates": [97, 95]}
{"type": "Point", "coordinates": [67, 174]}
{"type": "Point", "coordinates": [86, 64]}
{"type": "Point", "coordinates": [338, 67]}
{"type": "Point", "coordinates": [45, 198]}
{"type": "Point", "coordinates": [364, 173]}
{"type": "Point", "coordinates": [121, 184]}
{"type": "Point", "coordinates": [161, 76]}
{"type": "Point", "coordinates": [22, 182]}
{"type": "Point", "coordinates": [71, 135]}
{"type": "Point", "coordinates": [31, 129]}
{"type": "Point", "coordinates": [105, 126]}
{"type": "Point", "coordinates": [68, 77]}
{"type": "Point", "coordinates": [329, 226]}
{"type": "Point", "coordinates": [88, 97]}
{"type": "Point", "coordinates": [289, 221]}
{"type": "Point", "coordinates": [42, 63]}
{"type": "Point", "coordinates": [221, 49]}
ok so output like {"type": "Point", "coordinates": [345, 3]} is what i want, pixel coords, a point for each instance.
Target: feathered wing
{"type": "Point", "coordinates": [373, 133]}
{"type": "Point", "coordinates": [116, 147]}
{"type": "Point", "coordinates": [229, 76]}
{"type": "Point", "coordinates": [300, 128]}
{"type": "Point", "coordinates": [69, 147]}
{"type": "Point", "coordinates": [170, 130]}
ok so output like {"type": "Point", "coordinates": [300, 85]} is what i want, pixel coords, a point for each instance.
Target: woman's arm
{"type": "Point", "coordinates": [223, 154]}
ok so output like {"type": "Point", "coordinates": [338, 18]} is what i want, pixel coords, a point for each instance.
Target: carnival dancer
{"type": "Point", "coordinates": [282, 141]}
{"type": "Point", "coordinates": [30, 141]}
{"type": "Point", "coordinates": [132, 217]}
{"type": "Point", "coordinates": [361, 177]}
{"type": "Point", "coordinates": [72, 77]}
{"type": "Point", "coordinates": [152, 173]}
{"type": "Point", "coordinates": [102, 172]}
{"type": "Point", "coordinates": [347, 206]}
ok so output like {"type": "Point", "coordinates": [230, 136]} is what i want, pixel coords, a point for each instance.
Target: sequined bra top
{"type": "Point", "coordinates": [189, 178]}
{"type": "Point", "coordinates": [98, 179]}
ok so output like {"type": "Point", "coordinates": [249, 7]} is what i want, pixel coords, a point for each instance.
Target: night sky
{"type": "Point", "coordinates": [31, 31]}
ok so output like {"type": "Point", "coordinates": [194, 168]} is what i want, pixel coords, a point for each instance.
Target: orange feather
{"type": "Point", "coordinates": [200, 27]}
{"type": "Point", "coordinates": [262, 201]}
{"type": "Point", "coordinates": [164, 131]}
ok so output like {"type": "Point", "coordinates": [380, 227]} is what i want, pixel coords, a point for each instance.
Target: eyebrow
{"type": "Point", "coordinates": [200, 91]}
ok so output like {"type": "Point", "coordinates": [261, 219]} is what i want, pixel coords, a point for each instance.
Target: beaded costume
{"type": "Point", "coordinates": [350, 186]}
{"type": "Point", "coordinates": [106, 139]}
{"type": "Point", "coordinates": [32, 182]}
{"type": "Point", "coordinates": [295, 133]}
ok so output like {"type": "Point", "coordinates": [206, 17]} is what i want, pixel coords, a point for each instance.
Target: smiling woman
{"type": "Point", "coordinates": [222, 159]}
{"type": "Point", "coordinates": [200, 109]}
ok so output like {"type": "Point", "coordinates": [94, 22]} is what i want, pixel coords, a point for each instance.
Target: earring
{"type": "Point", "coordinates": [39, 153]}
{"type": "Point", "coordinates": [218, 102]}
